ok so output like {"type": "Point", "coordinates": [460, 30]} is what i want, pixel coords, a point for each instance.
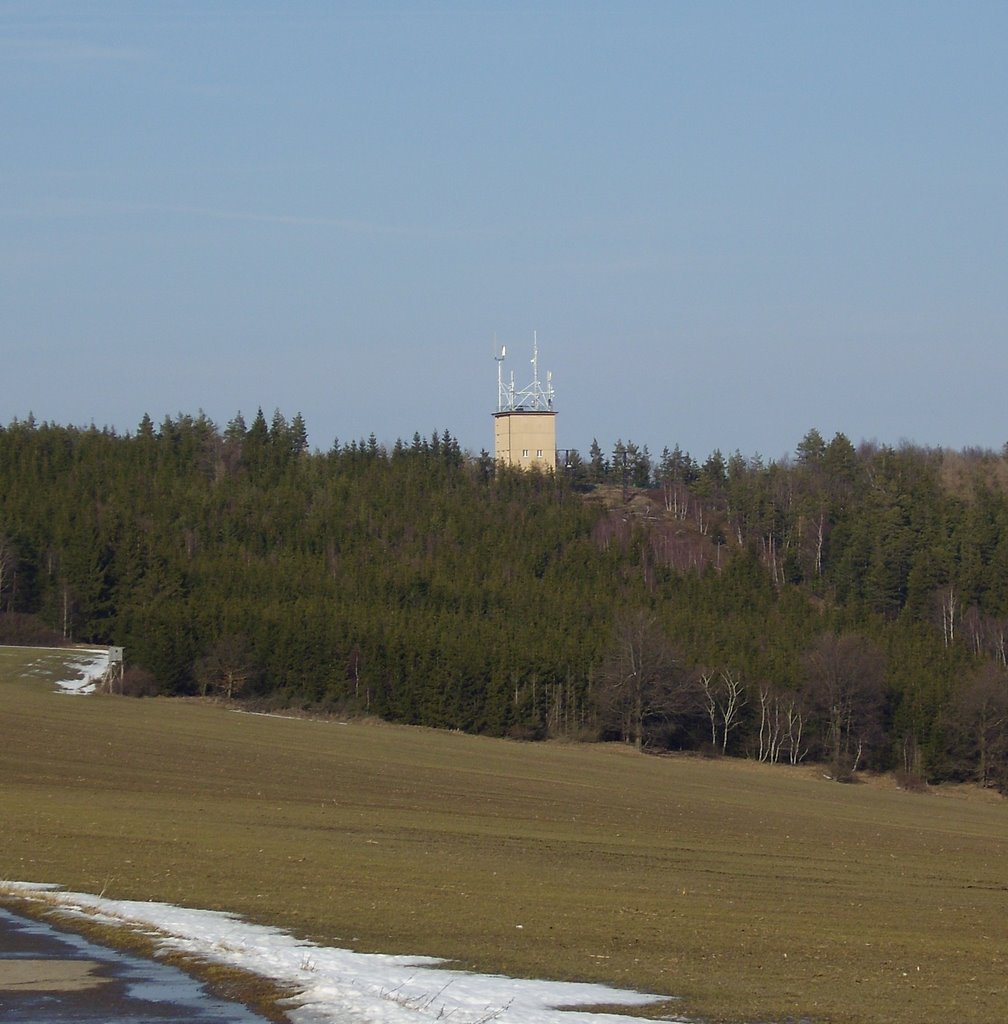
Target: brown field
{"type": "Point", "coordinates": [755, 893]}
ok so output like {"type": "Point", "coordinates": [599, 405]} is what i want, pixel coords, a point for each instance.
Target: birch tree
{"type": "Point", "coordinates": [724, 699]}
{"type": "Point", "coordinates": [781, 726]}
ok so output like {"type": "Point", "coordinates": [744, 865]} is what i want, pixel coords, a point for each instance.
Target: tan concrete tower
{"type": "Point", "coordinates": [525, 421]}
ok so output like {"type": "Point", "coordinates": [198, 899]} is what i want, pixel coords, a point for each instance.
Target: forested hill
{"type": "Point", "coordinates": [849, 604]}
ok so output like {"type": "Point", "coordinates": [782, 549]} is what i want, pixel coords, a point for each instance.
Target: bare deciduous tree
{"type": "Point", "coordinates": [974, 629]}
{"type": "Point", "coordinates": [997, 639]}
{"type": "Point", "coordinates": [640, 685]}
{"type": "Point", "coordinates": [948, 611]}
{"type": "Point", "coordinates": [979, 726]}
{"type": "Point", "coordinates": [228, 667]}
{"type": "Point", "coordinates": [724, 698]}
{"type": "Point", "coordinates": [782, 723]}
{"type": "Point", "coordinates": [846, 677]}
{"type": "Point", "coordinates": [8, 571]}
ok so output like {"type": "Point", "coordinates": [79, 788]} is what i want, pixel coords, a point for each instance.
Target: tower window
{"type": "Point", "coordinates": [539, 453]}
{"type": "Point", "coordinates": [524, 453]}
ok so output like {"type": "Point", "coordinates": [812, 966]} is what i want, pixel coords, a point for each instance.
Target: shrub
{"type": "Point", "coordinates": [842, 767]}
{"type": "Point", "coordinates": [23, 630]}
{"type": "Point", "coordinates": [912, 782]}
{"type": "Point", "coordinates": [139, 682]}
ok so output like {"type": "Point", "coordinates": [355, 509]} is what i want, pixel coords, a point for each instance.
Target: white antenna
{"type": "Point", "coordinates": [500, 382]}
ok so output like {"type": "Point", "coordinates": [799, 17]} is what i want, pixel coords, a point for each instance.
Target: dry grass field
{"type": "Point", "coordinates": [755, 893]}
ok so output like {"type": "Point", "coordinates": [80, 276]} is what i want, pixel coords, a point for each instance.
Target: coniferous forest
{"type": "Point", "coordinates": [847, 605]}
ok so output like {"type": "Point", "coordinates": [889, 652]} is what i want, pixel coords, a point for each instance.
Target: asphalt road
{"type": "Point", "coordinates": [51, 976]}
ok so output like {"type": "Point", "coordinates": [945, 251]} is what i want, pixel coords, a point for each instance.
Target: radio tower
{"type": "Point", "coordinates": [525, 420]}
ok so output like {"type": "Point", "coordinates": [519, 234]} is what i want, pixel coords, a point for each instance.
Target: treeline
{"type": "Point", "coordinates": [849, 605]}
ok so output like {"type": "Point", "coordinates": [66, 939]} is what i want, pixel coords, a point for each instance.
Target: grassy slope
{"type": "Point", "coordinates": [756, 893]}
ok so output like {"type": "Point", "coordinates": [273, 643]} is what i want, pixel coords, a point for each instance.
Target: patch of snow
{"type": "Point", "coordinates": [91, 663]}
{"type": "Point", "coordinates": [338, 985]}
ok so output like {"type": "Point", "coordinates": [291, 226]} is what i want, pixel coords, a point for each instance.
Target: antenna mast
{"type": "Point", "coordinates": [501, 395]}
{"type": "Point", "coordinates": [535, 397]}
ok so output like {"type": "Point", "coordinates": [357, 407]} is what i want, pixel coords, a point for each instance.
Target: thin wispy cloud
{"type": "Point", "coordinates": [295, 220]}
{"type": "Point", "coordinates": [69, 208]}
{"type": "Point", "coordinates": [67, 51]}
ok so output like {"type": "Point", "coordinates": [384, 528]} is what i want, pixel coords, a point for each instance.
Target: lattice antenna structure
{"type": "Point", "coordinates": [535, 397]}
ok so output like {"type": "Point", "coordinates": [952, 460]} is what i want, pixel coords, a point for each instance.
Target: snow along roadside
{"type": "Point", "coordinates": [338, 986]}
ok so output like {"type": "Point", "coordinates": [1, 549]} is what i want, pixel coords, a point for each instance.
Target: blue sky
{"type": "Point", "coordinates": [727, 222]}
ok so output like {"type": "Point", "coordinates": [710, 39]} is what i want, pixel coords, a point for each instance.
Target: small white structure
{"type": "Point", "coordinates": [114, 672]}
